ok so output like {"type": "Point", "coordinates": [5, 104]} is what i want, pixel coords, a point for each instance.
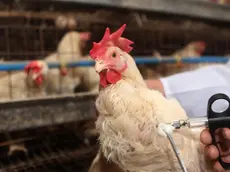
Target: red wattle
{"type": "Point", "coordinates": [113, 76]}
{"type": "Point", "coordinates": [39, 80]}
{"type": "Point", "coordinates": [109, 77]}
{"type": "Point", "coordinates": [64, 72]}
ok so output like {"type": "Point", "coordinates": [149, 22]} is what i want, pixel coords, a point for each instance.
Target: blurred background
{"type": "Point", "coordinates": [47, 82]}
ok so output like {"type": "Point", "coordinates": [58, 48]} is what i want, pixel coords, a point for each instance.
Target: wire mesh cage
{"type": "Point", "coordinates": [61, 150]}
{"type": "Point", "coordinates": [48, 133]}
{"type": "Point", "coordinates": [37, 35]}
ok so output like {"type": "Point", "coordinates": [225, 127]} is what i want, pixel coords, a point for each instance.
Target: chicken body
{"type": "Point", "coordinates": [56, 83]}
{"type": "Point", "coordinates": [13, 86]}
{"type": "Point", "coordinates": [127, 108]}
{"type": "Point", "coordinates": [129, 115]}
{"type": "Point", "coordinates": [69, 49]}
{"type": "Point", "coordinates": [89, 77]}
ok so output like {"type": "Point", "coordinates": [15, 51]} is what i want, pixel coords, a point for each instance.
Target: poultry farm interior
{"type": "Point", "coordinates": [51, 127]}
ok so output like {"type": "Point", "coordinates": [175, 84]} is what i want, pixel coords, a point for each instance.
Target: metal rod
{"type": "Point", "coordinates": [9, 66]}
{"type": "Point", "coordinates": [176, 151]}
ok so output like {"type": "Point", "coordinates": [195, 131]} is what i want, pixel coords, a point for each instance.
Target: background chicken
{"type": "Point", "coordinates": [36, 78]}
{"type": "Point", "coordinates": [89, 77]}
{"type": "Point", "coordinates": [129, 114]}
{"type": "Point", "coordinates": [66, 22]}
{"type": "Point", "coordinates": [85, 77]}
{"type": "Point", "coordinates": [61, 22]}
{"type": "Point", "coordinates": [192, 50]}
{"type": "Point", "coordinates": [69, 49]}
{"type": "Point", "coordinates": [24, 84]}
{"type": "Point", "coordinates": [72, 23]}
{"type": "Point", "coordinates": [58, 80]}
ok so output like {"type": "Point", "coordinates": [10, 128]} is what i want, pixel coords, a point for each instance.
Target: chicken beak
{"type": "Point", "coordinates": [99, 66]}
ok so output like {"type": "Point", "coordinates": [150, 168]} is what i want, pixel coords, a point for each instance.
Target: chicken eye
{"type": "Point", "coordinates": [114, 55]}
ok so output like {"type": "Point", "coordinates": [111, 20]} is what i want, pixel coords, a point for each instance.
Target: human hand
{"type": "Point", "coordinates": [211, 151]}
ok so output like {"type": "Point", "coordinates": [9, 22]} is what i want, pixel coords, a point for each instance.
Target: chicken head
{"type": "Point", "coordinates": [36, 70]}
{"type": "Point", "coordinates": [198, 46]}
{"type": "Point", "coordinates": [108, 54]}
{"type": "Point", "coordinates": [85, 36]}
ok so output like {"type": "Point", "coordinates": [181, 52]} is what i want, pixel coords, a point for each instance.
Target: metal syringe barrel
{"type": "Point", "coordinates": [197, 122]}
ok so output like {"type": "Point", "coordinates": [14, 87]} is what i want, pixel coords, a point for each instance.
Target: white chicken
{"type": "Point", "coordinates": [61, 22]}
{"type": "Point", "coordinates": [86, 76]}
{"type": "Point", "coordinates": [192, 50]}
{"type": "Point", "coordinates": [20, 85]}
{"type": "Point", "coordinates": [57, 80]}
{"type": "Point", "coordinates": [37, 73]}
{"type": "Point", "coordinates": [66, 22]}
{"type": "Point", "coordinates": [72, 23]}
{"type": "Point", "coordinates": [69, 49]}
{"type": "Point", "coordinates": [89, 77]}
{"type": "Point", "coordinates": [129, 115]}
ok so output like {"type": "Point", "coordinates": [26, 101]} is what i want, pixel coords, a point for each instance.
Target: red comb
{"type": "Point", "coordinates": [202, 43]}
{"type": "Point", "coordinates": [114, 39]}
{"type": "Point", "coordinates": [33, 64]}
{"type": "Point", "coordinates": [85, 36]}
{"type": "Point", "coordinates": [200, 47]}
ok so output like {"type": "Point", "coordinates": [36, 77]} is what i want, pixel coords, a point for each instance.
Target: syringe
{"type": "Point", "coordinates": [191, 123]}
{"type": "Point", "coordinates": [213, 121]}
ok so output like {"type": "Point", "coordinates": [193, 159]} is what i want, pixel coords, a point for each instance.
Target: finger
{"type": "Point", "coordinates": [211, 152]}
{"type": "Point", "coordinates": [224, 141]}
{"type": "Point", "coordinates": [226, 133]}
{"type": "Point", "coordinates": [224, 147]}
{"type": "Point", "coordinates": [217, 167]}
{"type": "Point", "coordinates": [205, 137]}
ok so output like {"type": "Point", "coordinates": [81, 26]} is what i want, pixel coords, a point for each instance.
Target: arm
{"type": "Point", "coordinates": [193, 89]}
{"type": "Point", "coordinates": [155, 84]}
